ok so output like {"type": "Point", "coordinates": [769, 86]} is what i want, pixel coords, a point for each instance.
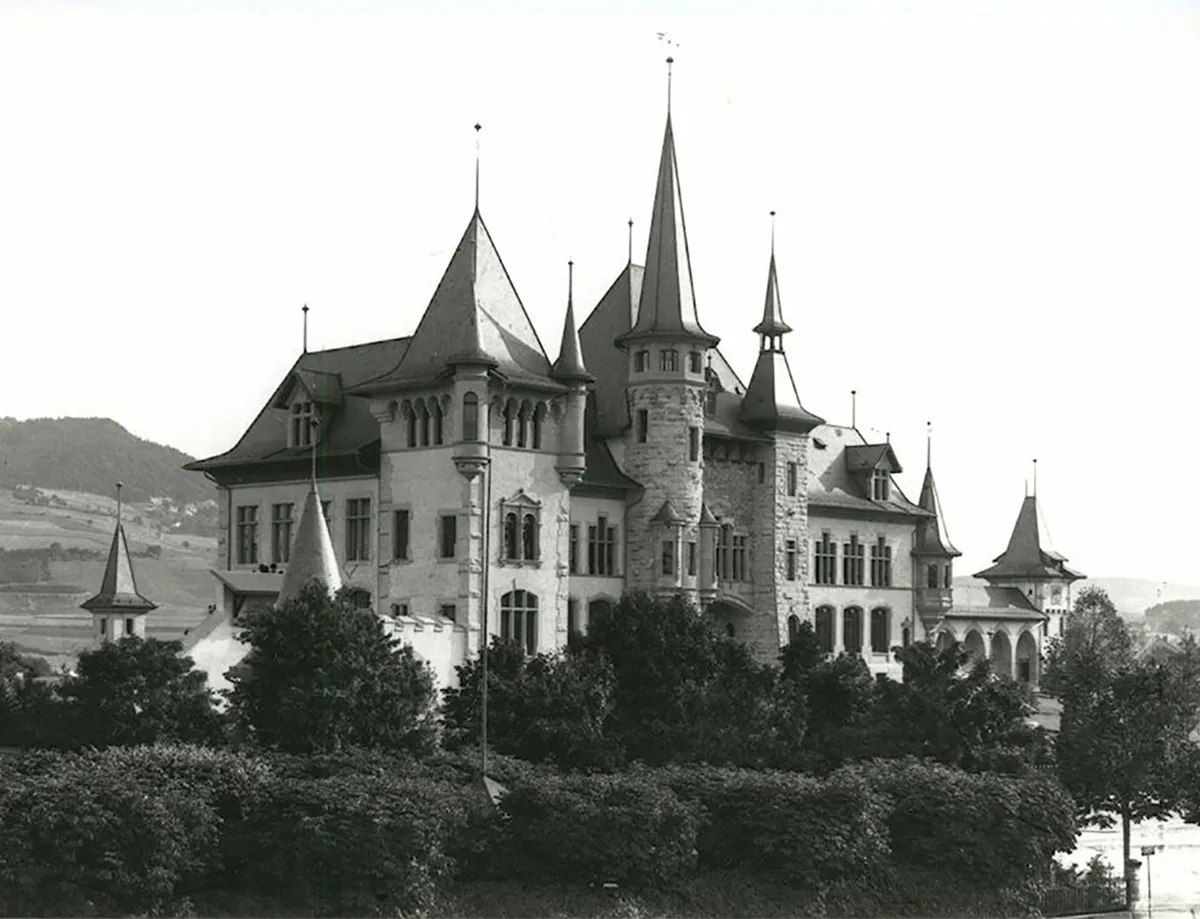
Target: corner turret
{"type": "Point", "coordinates": [569, 369]}
{"type": "Point", "coordinates": [118, 610]}
{"type": "Point", "coordinates": [933, 553]}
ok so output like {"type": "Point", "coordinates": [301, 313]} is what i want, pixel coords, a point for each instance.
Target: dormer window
{"type": "Point", "coordinates": [668, 360]}
{"type": "Point", "coordinates": [881, 485]}
{"type": "Point", "coordinates": [301, 432]}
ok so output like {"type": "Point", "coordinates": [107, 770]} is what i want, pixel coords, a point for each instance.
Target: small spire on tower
{"type": "Point", "coordinates": [569, 365]}
{"type": "Point", "coordinates": [630, 241]}
{"type": "Point", "coordinates": [304, 310]}
{"type": "Point", "coordinates": [772, 234]}
{"type": "Point", "coordinates": [1035, 478]}
{"type": "Point", "coordinates": [772, 327]}
{"type": "Point", "coordinates": [854, 408]}
{"type": "Point", "coordinates": [928, 444]}
{"type": "Point", "coordinates": [670, 62]}
{"type": "Point", "coordinates": [478, 127]}
{"type": "Point", "coordinates": [120, 485]}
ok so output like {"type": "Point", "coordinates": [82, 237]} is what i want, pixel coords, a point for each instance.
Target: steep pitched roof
{"type": "Point", "coordinates": [475, 314]}
{"type": "Point", "coordinates": [613, 316]}
{"type": "Point", "coordinates": [570, 365]}
{"type": "Point", "coordinates": [772, 322]}
{"type": "Point", "coordinates": [930, 538]}
{"type": "Point", "coordinates": [834, 488]}
{"type": "Point", "coordinates": [865, 457]}
{"type": "Point", "coordinates": [977, 602]}
{"type": "Point", "coordinates": [668, 300]}
{"type": "Point", "coordinates": [118, 588]}
{"type": "Point", "coordinates": [312, 556]}
{"type": "Point", "coordinates": [352, 427]}
{"type": "Point", "coordinates": [1025, 556]}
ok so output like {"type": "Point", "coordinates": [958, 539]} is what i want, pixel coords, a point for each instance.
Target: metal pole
{"type": "Point", "coordinates": [483, 603]}
{"type": "Point", "coordinates": [1149, 887]}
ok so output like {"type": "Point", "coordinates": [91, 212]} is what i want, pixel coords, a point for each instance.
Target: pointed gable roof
{"type": "Point", "coordinates": [312, 556]}
{"type": "Point", "coordinates": [1025, 556]}
{"type": "Point", "coordinates": [772, 321]}
{"type": "Point", "coordinates": [667, 515]}
{"type": "Point", "coordinates": [668, 301]}
{"type": "Point", "coordinates": [475, 316]}
{"type": "Point", "coordinates": [931, 538]}
{"type": "Point", "coordinates": [613, 316]}
{"type": "Point", "coordinates": [118, 589]}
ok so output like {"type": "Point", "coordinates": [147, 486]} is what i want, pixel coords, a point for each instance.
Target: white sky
{"type": "Point", "coordinates": [989, 215]}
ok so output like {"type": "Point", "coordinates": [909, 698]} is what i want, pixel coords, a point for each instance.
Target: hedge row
{"type": "Point", "coordinates": [144, 829]}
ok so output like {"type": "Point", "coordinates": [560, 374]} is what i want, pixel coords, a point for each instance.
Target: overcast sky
{"type": "Point", "coordinates": [989, 215]}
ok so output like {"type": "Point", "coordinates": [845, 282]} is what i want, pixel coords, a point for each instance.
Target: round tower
{"type": "Point", "coordinates": [667, 353]}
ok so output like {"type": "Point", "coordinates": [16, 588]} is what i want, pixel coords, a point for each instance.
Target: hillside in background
{"type": "Point", "coordinates": [90, 455]}
{"type": "Point", "coordinates": [1131, 596]}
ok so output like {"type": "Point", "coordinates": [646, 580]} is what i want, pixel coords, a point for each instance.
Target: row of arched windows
{"type": "Point", "coordinates": [824, 622]}
{"type": "Point", "coordinates": [426, 422]}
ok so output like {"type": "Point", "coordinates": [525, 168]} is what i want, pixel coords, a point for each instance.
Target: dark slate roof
{"type": "Point", "coordinates": [668, 299]}
{"type": "Point", "coordinates": [352, 427]}
{"type": "Point", "coordinates": [602, 469]}
{"type": "Point", "coordinates": [971, 602]}
{"type": "Point", "coordinates": [865, 457]}
{"type": "Point", "coordinates": [118, 588]}
{"type": "Point", "coordinates": [570, 365]}
{"type": "Point", "coordinates": [931, 538]}
{"type": "Point", "coordinates": [771, 400]}
{"type": "Point", "coordinates": [1025, 557]}
{"type": "Point", "coordinates": [612, 316]}
{"type": "Point", "coordinates": [321, 386]}
{"type": "Point", "coordinates": [475, 313]}
{"type": "Point", "coordinates": [772, 321]}
{"type": "Point", "coordinates": [832, 486]}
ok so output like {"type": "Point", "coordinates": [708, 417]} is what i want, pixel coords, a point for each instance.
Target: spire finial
{"type": "Point", "coordinates": [570, 281]}
{"type": "Point", "coordinates": [1035, 478]}
{"type": "Point", "coordinates": [928, 444]}
{"type": "Point", "coordinates": [304, 310]}
{"type": "Point", "coordinates": [120, 485]}
{"type": "Point", "coordinates": [772, 234]}
{"type": "Point", "coordinates": [630, 240]}
{"type": "Point", "coordinates": [854, 408]}
{"type": "Point", "coordinates": [670, 62]}
{"type": "Point", "coordinates": [888, 436]}
{"type": "Point", "coordinates": [478, 127]}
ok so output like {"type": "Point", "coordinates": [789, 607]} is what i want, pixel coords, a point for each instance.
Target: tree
{"type": "Point", "coordinates": [1124, 750]}
{"type": "Point", "coordinates": [322, 674]}
{"type": "Point", "coordinates": [136, 691]}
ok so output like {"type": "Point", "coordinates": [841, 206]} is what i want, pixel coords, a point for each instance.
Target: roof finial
{"type": "Point", "coordinates": [928, 444]}
{"type": "Point", "coordinates": [304, 310]}
{"type": "Point", "coordinates": [1035, 478]}
{"type": "Point", "coordinates": [854, 408]}
{"type": "Point", "coordinates": [772, 234]}
{"type": "Point", "coordinates": [477, 129]}
{"type": "Point", "coordinates": [888, 435]}
{"type": "Point", "coordinates": [570, 281]}
{"type": "Point", "coordinates": [670, 61]}
{"type": "Point", "coordinates": [120, 485]}
{"type": "Point", "coordinates": [630, 240]}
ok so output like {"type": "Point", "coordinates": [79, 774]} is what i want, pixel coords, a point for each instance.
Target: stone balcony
{"type": "Point", "coordinates": [935, 600]}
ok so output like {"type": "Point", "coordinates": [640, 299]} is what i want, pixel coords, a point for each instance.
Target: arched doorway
{"type": "Point", "coordinates": [1002, 654]}
{"type": "Point", "coordinates": [1027, 659]}
{"type": "Point", "coordinates": [945, 639]}
{"type": "Point", "coordinates": [729, 619]}
{"type": "Point", "coordinates": [973, 645]}
{"type": "Point", "coordinates": [597, 610]}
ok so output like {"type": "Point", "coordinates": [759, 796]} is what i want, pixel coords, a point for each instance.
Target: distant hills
{"type": "Point", "coordinates": [92, 454]}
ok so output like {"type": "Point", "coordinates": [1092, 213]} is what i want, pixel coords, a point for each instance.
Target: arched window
{"type": "Point", "coordinates": [793, 627]}
{"type": "Point", "coordinates": [509, 417]}
{"type": "Point", "coordinates": [510, 537]}
{"type": "Point", "coordinates": [906, 636]}
{"type": "Point", "coordinates": [437, 422]}
{"type": "Point", "coordinates": [424, 410]}
{"type": "Point", "coordinates": [529, 537]}
{"type": "Point", "coordinates": [881, 630]}
{"type": "Point", "coordinates": [518, 619]}
{"type": "Point", "coordinates": [412, 423]}
{"type": "Point", "coordinates": [852, 637]}
{"type": "Point", "coordinates": [824, 619]}
{"type": "Point", "coordinates": [729, 629]}
{"type": "Point", "coordinates": [470, 416]}
{"type": "Point", "coordinates": [535, 439]}
{"type": "Point", "coordinates": [597, 610]}
{"type": "Point", "coordinates": [523, 425]}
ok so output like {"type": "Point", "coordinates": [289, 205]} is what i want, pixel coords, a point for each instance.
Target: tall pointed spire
{"type": "Point", "coordinates": [477, 129]}
{"type": "Point", "coordinates": [771, 399]}
{"type": "Point", "coordinates": [668, 300]}
{"type": "Point", "coordinates": [630, 261]}
{"type": "Point", "coordinates": [118, 595]}
{"type": "Point", "coordinates": [1028, 555]}
{"type": "Point", "coordinates": [569, 365]}
{"type": "Point", "coordinates": [931, 536]}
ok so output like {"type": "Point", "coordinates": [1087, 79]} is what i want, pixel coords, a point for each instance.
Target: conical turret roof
{"type": "Point", "coordinates": [1028, 554]}
{"type": "Point", "coordinates": [312, 556]}
{"type": "Point", "coordinates": [667, 308]}
{"type": "Point", "coordinates": [569, 365]}
{"type": "Point", "coordinates": [118, 589]}
{"type": "Point", "coordinates": [931, 536]}
{"type": "Point", "coordinates": [772, 321]}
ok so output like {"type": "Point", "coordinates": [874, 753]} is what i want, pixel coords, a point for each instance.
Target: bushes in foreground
{"type": "Point", "coordinates": [144, 829]}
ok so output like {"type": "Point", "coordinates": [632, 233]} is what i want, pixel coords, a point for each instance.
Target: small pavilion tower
{"type": "Point", "coordinates": [933, 554]}
{"type": "Point", "coordinates": [570, 370]}
{"type": "Point", "coordinates": [312, 557]}
{"type": "Point", "coordinates": [118, 610]}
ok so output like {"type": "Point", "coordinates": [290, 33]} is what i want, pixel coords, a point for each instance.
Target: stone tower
{"type": "Point", "coordinates": [667, 349]}
{"type": "Point", "coordinates": [933, 557]}
{"type": "Point", "coordinates": [118, 610]}
{"type": "Point", "coordinates": [780, 549]}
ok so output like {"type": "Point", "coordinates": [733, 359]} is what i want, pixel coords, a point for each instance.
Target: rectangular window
{"type": "Point", "coordinates": [358, 529]}
{"type": "Point", "coordinates": [825, 561]}
{"type": "Point", "coordinates": [696, 362]}
{"type": "Point", "coordinates": [881, 564]}
{"type": "Point", "coordinates": [400, 534]}
{"type": "Point", "coordinates": [247, 535]}
{"type": "Point", "coordinates": [668, 557]}
{"type": "Point", "coordinates": [447, 535]}
{"type": "Point", "coordinates": [668, 360]}
{"type": "Point", "coordinates": [741, 562]}
{"type": "Point", "coordinates": [880, 485]}
{"type": "Point", "coordinates": [573, 548]}
{"type": "Point", "coordinates": [103, 627]}
{"type": "Point", "coordinates": [128, 626]}
{"type": "Point", "coordinates": [852, 563]}
{"type": "Point", "coordinates": [281, 533]}
{"type": "Point", "coordinates": [691, 559]}
{"type": "Point", "coordinates": [449, 610]}
{"type": "Point", "coordinates": [792, 479]}
{"type": "Point", "coordinates": [931, 577]}
{"type": "Point", "coordinates": [762, 473]}
{"type": "Point", "coordinates": [399, 609]}
{"type": "Point", "coordinates": [572, 616]}
{"type": "Point", "coordinates": [791, 560]}
{"type": "Point", "coordinates": [880, 631]}
{"type": "Point", "coordinates": [640, 359]}
{"type": "Point", "coordinates": [302, 424]}
{"type": "Point", "coordinates": [602, 541]}
{"type": "Point", "coordinates": [643, 425]}
{"type": "Point", "coordinates": [693, 444]}
{"type": "Point", "coordinates": [724, 546]}
{"type": "Point", "coordinates": [326, 511]}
